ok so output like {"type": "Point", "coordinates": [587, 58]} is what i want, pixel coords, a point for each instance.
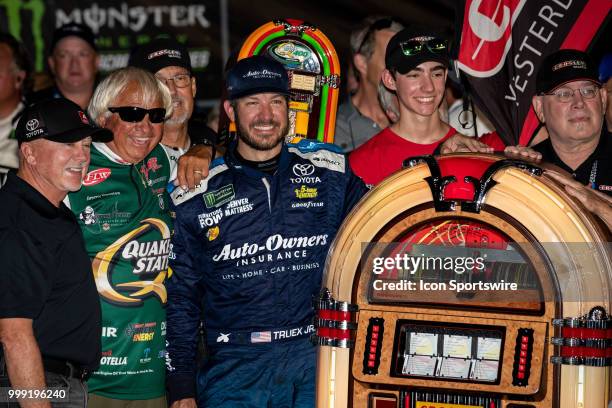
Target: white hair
{"type": "Point", "coordinates": [151, 89]}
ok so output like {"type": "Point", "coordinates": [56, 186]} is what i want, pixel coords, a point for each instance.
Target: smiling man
{"type": "Point", "coordinates": [416, 62]}
{"type": "Point", "coordinates": [49, 310]}
{"type": "Point", "coordinates": [249, 248]}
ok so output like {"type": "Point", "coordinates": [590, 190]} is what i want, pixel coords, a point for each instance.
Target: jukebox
{"type": "Point", "coordinates": [467, 281]}
{"type": "Point", "coordinates": [314, 74]}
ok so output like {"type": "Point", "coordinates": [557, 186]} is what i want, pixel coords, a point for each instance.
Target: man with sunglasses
{"type": "Point", "coordinates": [123, 211]}
{"type": "Point", "coordinates": [248, 249]}
{"type": "Point", "coordinates": [361, 116]}
{"type": "Point", "coordinates": [571, 103]}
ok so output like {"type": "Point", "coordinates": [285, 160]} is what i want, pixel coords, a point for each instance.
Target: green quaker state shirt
{"type": "Point", "coordinates": [123, 211]}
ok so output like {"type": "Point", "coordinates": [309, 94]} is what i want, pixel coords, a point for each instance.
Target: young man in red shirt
{"type": "Point", "coordinates": [416, 63]}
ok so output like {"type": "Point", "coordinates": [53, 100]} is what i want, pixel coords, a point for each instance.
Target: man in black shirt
{"type": "Point", "coordinates": [571, 103]}
{"type": "Point", "coordinates": [49, 307]}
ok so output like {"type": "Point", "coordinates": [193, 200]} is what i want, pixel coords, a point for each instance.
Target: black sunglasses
{"type": "Point", "coordinates": [414, 47]}
{"type": "Point", "coordinates": [135, 114]}
{"type": "Point", "coordinates": [377, 25]}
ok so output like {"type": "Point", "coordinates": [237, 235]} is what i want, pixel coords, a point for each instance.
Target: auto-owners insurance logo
{"type": "Point", "coordinates": [487, 35]}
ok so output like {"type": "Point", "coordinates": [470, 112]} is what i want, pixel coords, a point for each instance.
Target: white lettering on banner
{"type": "Point", "coordinates": [135, 18]}
{"type": "Point", "coordinates": [533, 45]}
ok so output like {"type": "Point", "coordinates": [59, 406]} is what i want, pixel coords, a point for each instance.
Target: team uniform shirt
{"type": "Point", "coordinates": [596, 170]}
{"type": "Point", "coordinates": [46, 275]}
{"type": "Point", "coordinates": [385, 153]}
{"type": "Point", "coordinates": [123, 211]}
{"type": "Point", "coordinates": [249, 247]}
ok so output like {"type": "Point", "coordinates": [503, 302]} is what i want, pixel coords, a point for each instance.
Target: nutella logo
{"type": "Point", "coordinates": [96, 177]}
{"type": "Point", "coordinates": [487, 35]}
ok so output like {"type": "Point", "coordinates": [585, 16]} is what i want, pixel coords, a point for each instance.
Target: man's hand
{"type": "Point", "coordinates": [462, 143]}
{"type": "Point", "coordinates": [193, 166]}
{"type": "Point", "coordinates": [185, 403]}
{"type": "Point", "coordinates": [594, 201]}
{"type": "Point", "coordinates": [523, 152]}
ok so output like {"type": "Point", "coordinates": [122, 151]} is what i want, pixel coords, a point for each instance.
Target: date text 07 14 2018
{"type": "Point", "coordinates": [8, 394]}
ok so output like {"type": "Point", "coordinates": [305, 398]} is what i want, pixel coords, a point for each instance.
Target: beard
{"type": "Point", "coordinates": [261, 143]}
{"type": "Point", "coordinates": [178, 118]}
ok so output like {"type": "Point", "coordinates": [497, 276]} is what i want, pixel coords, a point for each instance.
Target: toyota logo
{"type": "Point", "coordinates": [32, 124]}
{"type": "Point", "coordinates": [303, 170]}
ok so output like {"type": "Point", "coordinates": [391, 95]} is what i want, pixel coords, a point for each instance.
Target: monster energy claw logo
{"type": "Point", "coordinates": [149, 257]}
{"type": "Point", "coordinates": [15, 10]}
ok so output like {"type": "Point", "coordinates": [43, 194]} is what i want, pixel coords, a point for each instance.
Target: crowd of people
{"type": "Point", "coordinates": [123, 235]}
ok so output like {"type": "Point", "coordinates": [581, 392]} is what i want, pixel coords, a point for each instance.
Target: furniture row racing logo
{"type": "Point", "coordinates": [147, 258]}
{"type": "Point", "coordinates": [487, 35]}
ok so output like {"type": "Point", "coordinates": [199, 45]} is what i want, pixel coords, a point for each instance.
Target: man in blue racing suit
{"type": "Point", "coordinates": [249, 248]}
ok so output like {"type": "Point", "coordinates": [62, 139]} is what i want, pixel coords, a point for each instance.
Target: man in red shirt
{"type": "Point", "coordinates": [416, 63]}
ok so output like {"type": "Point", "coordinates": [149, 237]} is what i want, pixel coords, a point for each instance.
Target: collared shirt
{"type": "Point", "coordinates": [46, 275]}
{"type": "Point", "coordinates": [352, 128]}
{"type": "Point", "coordinates": [596, 170]}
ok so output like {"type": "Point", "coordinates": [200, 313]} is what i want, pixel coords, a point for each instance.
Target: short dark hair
{"type": "Point", "coordinates": [21, 59]}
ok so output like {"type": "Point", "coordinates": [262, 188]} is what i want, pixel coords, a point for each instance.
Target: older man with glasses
{"type": "Point", "coordinates": [123, 211]}
{"type": "Point", "coordinates": [170, 62]}
{"type": "Point", "coordinates": [571, 103]}
{"type": "Point", "coordinates": [361, 116]}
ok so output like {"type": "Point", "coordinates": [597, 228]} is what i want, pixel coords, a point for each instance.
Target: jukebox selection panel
{"type": "Point", "coordinates": [419, 356]}
{"type": "Point", "coordinates": [448, 352]}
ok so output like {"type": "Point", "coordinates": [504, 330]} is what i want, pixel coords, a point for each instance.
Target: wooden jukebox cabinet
{"type": "Point", "coordinates": [467, 281]}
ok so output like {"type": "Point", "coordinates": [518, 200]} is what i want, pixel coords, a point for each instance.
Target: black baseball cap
{"type": "Point", "coordinates": [74, 29]}
{"type": "Point", "coordinates": [397, 60]}
{"type": "Point", "coordinates": [160, 53]}
{"type": "Point", "coordinates": [257, 74]}
{"type": "Point", "coordinates": [565, 66]}
{"type": "Point", "coordinates": [58, 120]}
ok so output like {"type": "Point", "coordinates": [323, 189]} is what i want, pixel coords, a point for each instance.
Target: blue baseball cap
{"type": "Point", "coordinates": [257, 74]}
{"type": "Point", "coordinates": [605, 68]}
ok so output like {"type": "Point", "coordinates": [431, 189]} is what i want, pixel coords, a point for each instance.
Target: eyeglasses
{"type": "Point", "coordinates": [377, 25]}
{"type": "Point", "coordinates": [414, 47]}
{"type": "Point", "coordinates": [135, 114]}
{"type": "Point", "coordinates": [180, 81]}
{"type": "Point", "coordinates": [565, 95]}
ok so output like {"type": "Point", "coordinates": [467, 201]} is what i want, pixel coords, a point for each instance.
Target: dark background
{"type": "Point", "coordinates": [335, 18]}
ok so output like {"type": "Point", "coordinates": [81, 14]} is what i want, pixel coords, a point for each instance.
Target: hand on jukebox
{"type": "Point", "coordinates": [462, 143]}
{"type": "Point", "coordinates": [594, 201]}
{"type": "Point", "coordinates": [522, 152]}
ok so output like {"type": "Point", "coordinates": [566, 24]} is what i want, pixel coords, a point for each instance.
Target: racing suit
{"type": "Point", "coordinates": [123, 211]}
{"type": "Point", "coordinates": [249, 248]}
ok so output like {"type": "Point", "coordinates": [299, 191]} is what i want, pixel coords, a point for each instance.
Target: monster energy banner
{"type": "Point", "coordinates": [119, 26]}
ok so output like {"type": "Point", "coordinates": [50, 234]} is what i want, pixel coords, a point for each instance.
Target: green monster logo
{"type": "Point", "coordinates": [140, 289]}
{"type": "Point", "coordinates": [14, 11]}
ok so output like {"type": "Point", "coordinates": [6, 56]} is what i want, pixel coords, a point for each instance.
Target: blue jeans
{"type": "Point", "coordinates": [278, 375]}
